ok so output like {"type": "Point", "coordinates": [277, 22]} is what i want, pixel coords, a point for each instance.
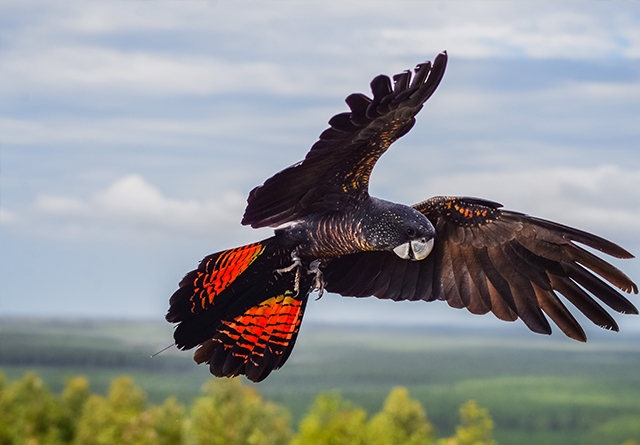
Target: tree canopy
{"type": "Point", "coordinates": [226, 413]}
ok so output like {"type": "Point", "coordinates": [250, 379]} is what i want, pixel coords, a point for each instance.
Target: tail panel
{"type": "Point", "coordinates": [220, 270]}
{"type": "Point", "coordinates": [218, 277]}
{"type": "Point", "coordinates": [242, 309]}
{"type": "Point", "coordinates": [255, 342]}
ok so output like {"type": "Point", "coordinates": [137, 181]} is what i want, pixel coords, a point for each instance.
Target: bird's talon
{"type": "Point", "coordinates": [318, 285]}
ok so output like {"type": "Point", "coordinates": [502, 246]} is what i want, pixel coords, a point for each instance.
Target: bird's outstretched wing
{"type": "Point", "coordinates": [488, 259]}
{"type": "Point", "coordinates": [336, 170]}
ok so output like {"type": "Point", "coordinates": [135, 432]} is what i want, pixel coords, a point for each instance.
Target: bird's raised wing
{"type": "Point", "coordinates": [488, 259]}
{"type": "Point", "coordinates": [336, 170]}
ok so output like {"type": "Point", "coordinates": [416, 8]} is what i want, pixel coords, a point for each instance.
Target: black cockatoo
{"type": "Point", "coordinates": [243, 307]}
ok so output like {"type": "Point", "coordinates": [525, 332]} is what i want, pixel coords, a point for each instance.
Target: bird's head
{"type": "Point", "coordinates": [400, 229]}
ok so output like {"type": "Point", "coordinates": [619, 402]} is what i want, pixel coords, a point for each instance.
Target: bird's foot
{"type": "Point", "coordinates": [297, 264]}
{"type": "Point", "coordinates": [314, 268]}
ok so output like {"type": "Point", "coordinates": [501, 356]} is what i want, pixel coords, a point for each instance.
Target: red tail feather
{"type": "Point", "coordinates": [241, 309]}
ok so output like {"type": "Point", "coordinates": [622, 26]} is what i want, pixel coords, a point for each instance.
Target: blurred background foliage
{"type": "Point", "coordinates": [547, 390]}
{"type": "Point", "coordinates": [226, 413]}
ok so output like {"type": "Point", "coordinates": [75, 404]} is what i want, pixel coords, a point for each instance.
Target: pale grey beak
{"type": "Point", "coordinates": [403, 251]}
{"type": "Point", "coordinates": [421, 248]}
{"type": "Point", "coordinates": [415, 250]}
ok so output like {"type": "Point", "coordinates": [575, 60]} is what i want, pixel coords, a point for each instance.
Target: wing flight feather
{"type": "Point", "coordinates": [336, 170]}
{"type": "Point", "coordinates": [487, 259]}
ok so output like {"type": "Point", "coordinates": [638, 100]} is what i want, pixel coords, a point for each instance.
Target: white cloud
{"type": "Point", "coordinates": [601, 198]}
{"type": "Point", "coordinates": [112, 131]}
{"type": "Point", "coordinates": [631, 34]}
{"type": "Point", "coordinates": [7, 217]}
{"type": "Point", "coordinates": [60, 206]}
{"type": "Point", "coordinates": [592, 198]}
{"type": "Point", "coordinates": [102, 17]}
{"type": "Point", "coordinates": [619, 92]}
{"type": "Point", "coordinates": [529, 30]}
{"type": "Point", "coordinates": [88, 132]}
{"type": "Point", "coordinates": [129, 208]}
{"type": "Point", "coordinates": [105, 70]}
{"type": "Point", "coordinates": [61, 53]}
{"type": "Point", "coordinates": [571, 108]}
{"type": "Point", "coordinates": [132, 198]}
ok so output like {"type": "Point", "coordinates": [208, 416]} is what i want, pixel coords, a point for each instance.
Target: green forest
{"type": "Point", "coordinates": [527, 389]}
{"type": "Point", "coordinates": [225, 413]}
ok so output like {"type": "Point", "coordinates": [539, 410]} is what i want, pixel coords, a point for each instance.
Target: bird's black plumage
{"type": "Point", "coordinates": [244, 306]}
{"type": "Point", "coordinates": [335, 172]}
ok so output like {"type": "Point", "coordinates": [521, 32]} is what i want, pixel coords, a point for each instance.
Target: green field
{"type": "Point", "coordinates": [537, 389]}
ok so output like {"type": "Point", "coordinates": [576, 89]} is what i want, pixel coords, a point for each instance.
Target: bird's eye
{"type": "Point", "coordinates": [411, 232]}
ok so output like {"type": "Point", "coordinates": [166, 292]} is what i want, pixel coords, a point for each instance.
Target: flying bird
{"type": "Point", "coordinates": [243, 307]}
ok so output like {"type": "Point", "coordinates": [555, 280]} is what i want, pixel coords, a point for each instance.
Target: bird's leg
{"type": "Point", "coordinates": [314, 268]}
{"type": "Point", "coordinates": [297, 264]}
{"type": "Point", "coordinates": [296, 283]}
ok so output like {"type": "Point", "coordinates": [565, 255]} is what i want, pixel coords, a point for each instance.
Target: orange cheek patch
{"type": "Point", "coordinates": [221, 271]}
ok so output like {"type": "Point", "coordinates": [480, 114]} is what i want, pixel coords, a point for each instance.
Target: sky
{"type": "Point", "coordinates": [132, 132]}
